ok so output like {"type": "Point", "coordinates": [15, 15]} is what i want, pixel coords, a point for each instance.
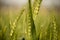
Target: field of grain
{"type": "Point", "coordinates": [31, 21]}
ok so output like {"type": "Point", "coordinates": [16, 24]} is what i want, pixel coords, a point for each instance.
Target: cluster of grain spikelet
{"type": "Point", "coordinates": [14, 25]}
{"type": "Point", "coordinates": [36, 7]}
{"type": "Point", "coordinates": [54, 28]}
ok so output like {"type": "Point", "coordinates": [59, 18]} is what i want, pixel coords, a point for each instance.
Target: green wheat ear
{"type": "Point", "coordinates": [55, 30]}
{"type": "Point", "coordinates": [30, 20]}
{"type": "Point", "coordinates": [36, 8]}
{"type": "Point", "coordinates": [31, 25]}
{"type": "Point", "coordinates": [14, 25]}
{"type": "Point", "coordinates": [54, 27]}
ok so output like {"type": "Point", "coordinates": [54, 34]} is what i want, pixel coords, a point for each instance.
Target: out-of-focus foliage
{"type": "Point", "coordinates": [30, 23]}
